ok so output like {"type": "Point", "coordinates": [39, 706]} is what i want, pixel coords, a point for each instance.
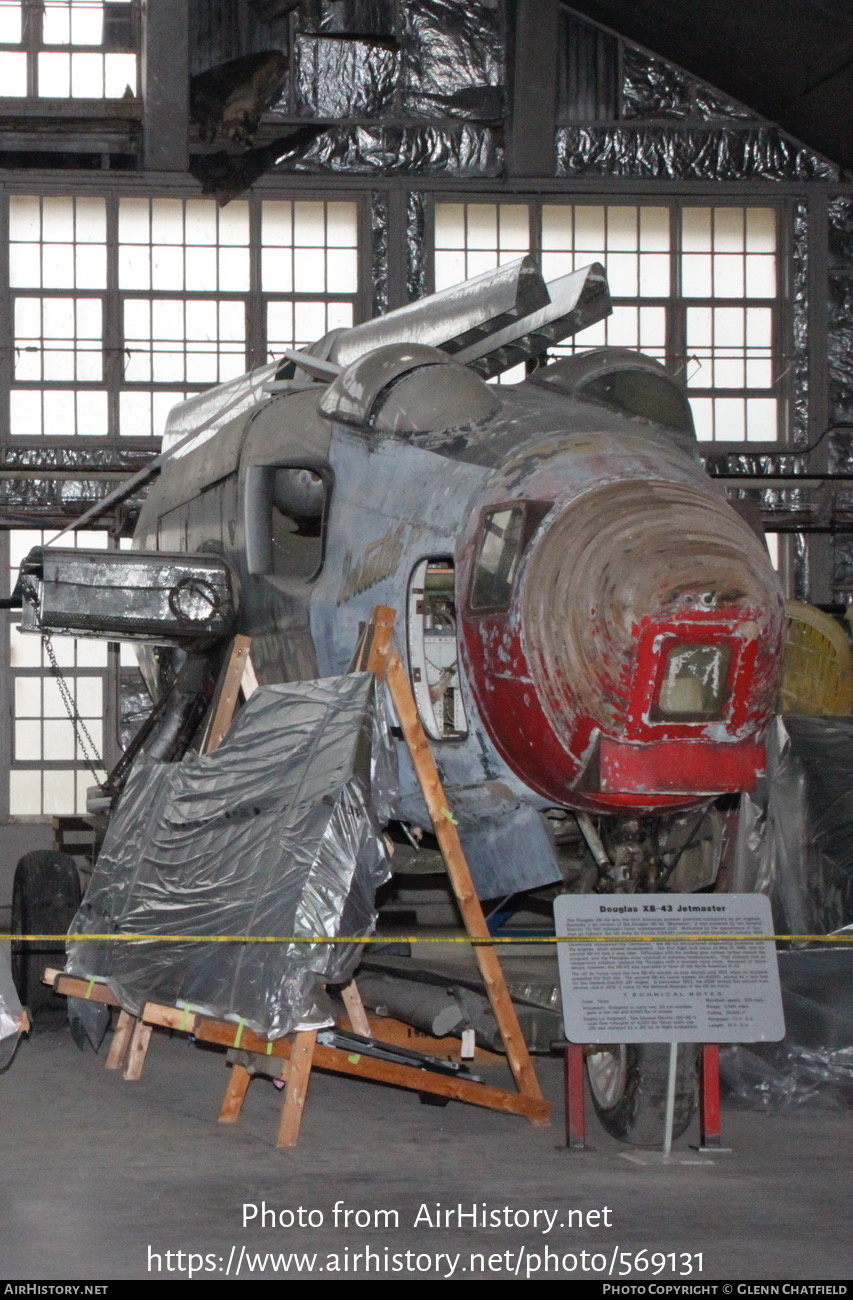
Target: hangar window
{"type": "Point", "coordinates": [194, 295]}
{"type": "Point", "coordinates": [48, 773]}
{"type": "Point", "coordinates": [69, 49]}
{"type": "Point", "coordinates": [694, 285]}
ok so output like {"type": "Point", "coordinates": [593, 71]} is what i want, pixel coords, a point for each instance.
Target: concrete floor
{"type": "Point", "coordinates": [100, 1174]}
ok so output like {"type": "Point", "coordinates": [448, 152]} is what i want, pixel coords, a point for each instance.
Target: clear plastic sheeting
{"type": "Point", "coordinates": [396, 151]}
{"type": "Point", "coordinates": [453, 60]}
{"type": "Point", "coordinates": [814, 1063]}
{"type": "Point", "coordinates": [275, 834]}
{"type": "Point", "coordinates": [344, 78]}
{"type": "Point", "coordinates": [11, 1014]}
{"type": "Point", "coordinates": [416, 246]}
{"type": "Point", "coordinates": [687, 153]}
{"type": "Point", "coordinates": [795, 837]}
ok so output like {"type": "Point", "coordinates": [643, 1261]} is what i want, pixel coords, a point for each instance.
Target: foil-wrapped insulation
{"type": "Point", "coordinates": [122, 459]}
{"type": "Point", "coordinates": [416, 246]}
{"type": "Point", "coordinates": [453, 60]}
{"type": "Point", "coordinates": [362, 17]}
{"type": "Point", "coordinates": [840, 211]}
{"type": "Point", "coordinates": [379, 251]}
{"type": "Point", "coordinates": [403, 151]}
{"type": "Point", "coordinates": [800, 322]}
{"type": "Point", "coordinates": [344, 78]}
{"type": "Point", "coordinates": [134, 704]}
{"type": "Point", "coordinates": [795, 840]}
{"type": "Point", "coordinates": [687, 153]}
{"type": "Point", "coordinates": [653, 88]}
{"type": "Point", "coordinates": [813, 1066]}
{"type": "Point", "coordinates": [840, 345]}
{"type": "Point", "coordinates": [277, 833]}
{"type": "Point", "coordinates": [11, 1014]}
{"type": "Point", "coordinates": [49, 498]}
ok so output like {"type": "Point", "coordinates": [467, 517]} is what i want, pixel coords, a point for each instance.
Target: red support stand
{"type": "Point", "coordinates": [575, 1115]}
{"type": "Point", "coordinates": [709, 1100]}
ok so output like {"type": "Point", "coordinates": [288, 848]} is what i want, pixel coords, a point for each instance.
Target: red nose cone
{"type": "Point", "coordinates": [637, 658]}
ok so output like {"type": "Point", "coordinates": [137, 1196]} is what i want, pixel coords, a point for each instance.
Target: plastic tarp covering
{"type": "Point", "coordinates": [404, 150]}
{"type": "Point", "coordinates": [277, 833]}
{"type": "Point", "coordinates": [453, 60]}
{"type": "Point", "coordinates": [814, 1063]}
{"type": "Point", "coordinates": [795, 840]}
{"type": "Point", "coordinates": [10, 1014]}
{"type": "Point", "coordinates": [687, 153]}
{"type": "Point", "coordinates": [344, 78]}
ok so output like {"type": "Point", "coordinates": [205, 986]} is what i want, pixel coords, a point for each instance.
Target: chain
{"type": "Point", "coordinates": [85, 741]}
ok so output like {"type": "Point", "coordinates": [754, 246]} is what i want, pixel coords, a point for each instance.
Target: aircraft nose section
{"type": "Point", "coordinates": [625, 576]}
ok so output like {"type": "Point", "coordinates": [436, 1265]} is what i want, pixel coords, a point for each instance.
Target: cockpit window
{"type": "Point", "coordinates": [497, 562]}
{"type": "Point", "coordinates": [644, 393]}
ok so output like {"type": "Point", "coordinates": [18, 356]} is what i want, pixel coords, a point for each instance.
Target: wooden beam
{"type": "Point", "coordinates": [227, 692]}
{"type": "Point", "coordinates": [355, 1009]}
{"type": "Point", "coordinates": [235, 1095]}
{"type": "Point", "coordinates": [121, 1039]}
{"type": "Point", "coordinates": [298, 1077]}
{"type": "Point", "coordinates": [137, 1051]}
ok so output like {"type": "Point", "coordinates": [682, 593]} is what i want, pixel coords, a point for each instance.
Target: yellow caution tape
{"type": "Point", "coordinates": [485, 941]}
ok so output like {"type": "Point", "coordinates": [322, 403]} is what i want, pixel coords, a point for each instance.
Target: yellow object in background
{"type": "Point", "coordinates": [817, 673]}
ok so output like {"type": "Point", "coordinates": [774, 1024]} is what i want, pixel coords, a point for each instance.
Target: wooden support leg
{"type": "Point", "coordinates": [137, 1051]}
{"type": "Point", "coordinates": [235, 1095]}
{"type": "Point", "coordinates": [355, 1009]}
{"type": "Point", "coordinates": [121, 1038]}
{"type": "Point", "coordinates": [297, 1085]}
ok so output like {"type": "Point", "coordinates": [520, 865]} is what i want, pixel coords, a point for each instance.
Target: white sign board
{"type": "Point", "coordinates": [650, 974]}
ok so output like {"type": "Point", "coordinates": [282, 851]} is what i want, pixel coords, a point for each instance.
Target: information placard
{"type": "Point", "coordinates": [652, 973]}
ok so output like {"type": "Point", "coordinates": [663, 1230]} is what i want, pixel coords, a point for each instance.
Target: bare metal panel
{"type": "Point", "coordinates": [109, 594]}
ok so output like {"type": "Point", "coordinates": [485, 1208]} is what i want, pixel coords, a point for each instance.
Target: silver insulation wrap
{"type": "Point", "coordinates": [379, 251]}
{"type": "Point", "coordinates": [453, 60]}
{"type": "Point", "coordinates": [652, 88]}
{"type": "Point", "coordinates": [344, 78]}
{"type": "Point", "coordinates": [416, 246]}
{"type": "Point", "coordinates": [403, 151]}
{"type": "Point", "coordinates": [277, 833]}
{"type": "Point", "coordinates": [687, 153]}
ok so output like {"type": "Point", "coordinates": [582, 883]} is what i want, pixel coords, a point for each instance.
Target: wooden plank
{"type": "Point", "coordinates": [355, 1009]}
{"type": "Point", "coordinates": [368, 1067]}
{"type": "Point", "coordinates": [235, 1095]}
{"type": "Point", "coordinates": [298, 1077]}
{"type": "Point", "coordinates": [227, 692]}
{"type": "Point", "coordinates": [72, 987]}
{"type": "Point", "coordinates": [121, 1039]}
{"type": "Point", "coordinates": [250, 681]}
{"type": "Point", "coordinates": [137, 1052]}
{"type": "Point", "coordinates": [171, 1017]}
{"type": "Point", "coordinates": [385, 661]}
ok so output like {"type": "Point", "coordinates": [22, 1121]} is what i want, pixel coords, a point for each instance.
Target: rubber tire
{"type": "Point", "coordinates": [45, 898]}
{"type": "Point", "coordinates": [637, 1114]}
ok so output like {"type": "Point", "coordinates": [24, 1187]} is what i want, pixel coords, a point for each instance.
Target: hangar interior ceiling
{"type": "Point", "coordinates": [190, 187]}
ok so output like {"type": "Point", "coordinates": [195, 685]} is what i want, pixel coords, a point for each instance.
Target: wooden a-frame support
{"type": "Point", "coordinates": [300, 1052]}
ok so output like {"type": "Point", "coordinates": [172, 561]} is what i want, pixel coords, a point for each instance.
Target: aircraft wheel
{"type": "Point", "coordinates": [45, 897]}
{"type": "Point", "coordinates": [628, 1086]}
